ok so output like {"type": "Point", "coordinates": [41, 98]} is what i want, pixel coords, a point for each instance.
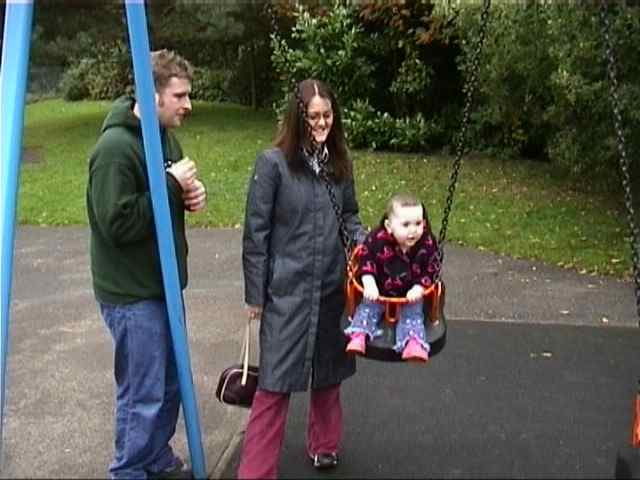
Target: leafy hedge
{"type": "Point", "coordinates": [543, 90]}
{"type": "Point", "coordinates": [369, 57]}
{"type": "Point", "coordinates": [399, 68]}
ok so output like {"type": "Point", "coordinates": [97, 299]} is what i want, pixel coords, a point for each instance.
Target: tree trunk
{"type": "Point", "coordinates": [252, 67]}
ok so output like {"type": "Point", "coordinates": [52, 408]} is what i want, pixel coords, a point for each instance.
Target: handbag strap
{"type": "Point", "coordinates": [245, 353]}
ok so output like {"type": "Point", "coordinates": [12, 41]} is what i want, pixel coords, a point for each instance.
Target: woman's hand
{"type": "Point", "coordinates": [371, 291]}
{"type": "Point", "coordinates": [416, 293]}
{"type": "Point", "coordinates": [254, 312]}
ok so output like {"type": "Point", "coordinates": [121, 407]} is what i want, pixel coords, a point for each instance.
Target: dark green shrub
{"type": "Point", "coordinates": [104, 75]}
{"type": "Point", "coordinates": [417, 134]}
{"type": "Point", "coordinates": [326, 47]}
{"type": "Point", "coordinates": [543, 90]}
{"type": "Point", "coordinates": [513, 88]}
{"type": "Point", "coordinates": [73, 85]}
{"type": "Point", "coordinates": [584, 143]}
{"type": "Point", "coordinates": [210, 85]}
{"type": "Point", "coordinates": [414, 61]}
{"type": "Point", "coordinates": [334, 47]}
{"type": "Point", "coordinates": [367, 128]}
{"type": "Point", "coordinates": [360, 120]}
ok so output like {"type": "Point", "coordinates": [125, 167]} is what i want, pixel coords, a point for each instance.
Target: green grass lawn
{"type": "Point", "coordinates": [513, 208]}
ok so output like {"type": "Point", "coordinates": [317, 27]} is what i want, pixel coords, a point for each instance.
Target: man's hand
{"type": "Point", "coordinates": [184, 172]}
{"type": "Point", "coordinates": [195, 197]}
{"type": "Point", "coordinates": [371, 291]}
{"type": "Point", "coordinates": [415, 293]}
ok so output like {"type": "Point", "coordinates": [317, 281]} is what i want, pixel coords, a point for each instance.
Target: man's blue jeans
{"type": "Point", "coordinates": [148, 395]}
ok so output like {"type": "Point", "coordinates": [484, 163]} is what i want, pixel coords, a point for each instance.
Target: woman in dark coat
{"type": "Point", "coordinates": [294, 269]}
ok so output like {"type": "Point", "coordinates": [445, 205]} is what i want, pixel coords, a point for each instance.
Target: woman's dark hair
{"type": "Point", "coordinates": [294, 132]}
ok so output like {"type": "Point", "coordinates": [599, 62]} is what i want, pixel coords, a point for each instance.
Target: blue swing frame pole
{"type": "Point", "coordinates": [13, 87]}
{"type": "Point", "coordinates": [145, 92]}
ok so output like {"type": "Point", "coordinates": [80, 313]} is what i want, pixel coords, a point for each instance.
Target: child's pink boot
{"type": "Point", "coordinates": [415, 351]}
{"type": "Point", "coordinates": [357, 343]}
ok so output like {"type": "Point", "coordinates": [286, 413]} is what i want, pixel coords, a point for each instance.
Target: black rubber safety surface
{"type": "Point", "coordinates": [502, 400]}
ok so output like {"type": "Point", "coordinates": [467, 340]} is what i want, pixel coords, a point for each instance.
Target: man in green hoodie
{"type": "Point", "coordinates": [125, 266]}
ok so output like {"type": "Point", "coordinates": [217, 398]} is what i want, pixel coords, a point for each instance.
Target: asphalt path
{"type": "Point", "coordinates": [537, 377]}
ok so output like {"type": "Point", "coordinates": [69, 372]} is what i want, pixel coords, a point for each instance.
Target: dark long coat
{"type": "Point", "coordinates": [294, 267]}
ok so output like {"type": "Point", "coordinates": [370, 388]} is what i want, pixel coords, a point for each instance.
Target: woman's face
{"type": "Point", "coordinates": [320, 118]}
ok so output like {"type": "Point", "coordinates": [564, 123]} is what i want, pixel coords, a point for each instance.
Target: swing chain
{"type": "Point", "coordinates": [270, 10]}
{"type": "Point", "coordinates": [460, 145]}
{"type": "Point", "coordinates": [342, 229]}
{"type": "Point", "coordinates": [624, 159]}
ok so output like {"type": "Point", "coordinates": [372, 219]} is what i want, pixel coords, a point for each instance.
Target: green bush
{"type": "Point", "coordinates": [584, 143]}
{"type": "Point", "coordinates": [513, 89]}
{"type": "Point", "coordinates": [326, 47]}
{"type": "Point", "coordinates": [360, 120]}
{"type": "Point", "coordinates": [73, 85]}
{"type": "Point", "coordinates": [104, 75]}
{"type": "Point", "coordinates": [414, 61]}
{"type": "Point", "coordinates": [334, 47]}
{"type": "Point", "coordinates": [543, 91]}
{"type": "Point", "coordinates": [367, 128]}
{"type": "Point", "coordinates": [210, 85]}
{"type": "Point", "coordinates": [417, 134]}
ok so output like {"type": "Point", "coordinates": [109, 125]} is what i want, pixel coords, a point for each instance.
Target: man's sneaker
{"type": "Point", "coordinates": [322, 461]}
{"type": "Point", "coordinates": [414, 351]}
{"type": "Point", "coordinates": [357, 343]}
{"type": "Point", "coordinates": [179, 471]}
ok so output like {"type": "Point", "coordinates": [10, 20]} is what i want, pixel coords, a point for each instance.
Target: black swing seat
{"type": "Point", "coordinates": [381, 348]}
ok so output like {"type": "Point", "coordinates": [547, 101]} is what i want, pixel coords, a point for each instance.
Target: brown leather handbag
{"type": "Point", "coordinates": [237, 384]}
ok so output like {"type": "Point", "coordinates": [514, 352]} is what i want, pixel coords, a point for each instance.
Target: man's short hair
{"type": "Point", "coordinates": [167, 64]}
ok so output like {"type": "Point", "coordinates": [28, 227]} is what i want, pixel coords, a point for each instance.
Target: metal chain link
{"type": "Point", "coordinates": [270, 10]}
{"type": "Point", "coordinates": [624, 160]}
{"type": "Point", "coordinates": [342, 229]}
{"type": "Point", "coordinates": [469, 89]}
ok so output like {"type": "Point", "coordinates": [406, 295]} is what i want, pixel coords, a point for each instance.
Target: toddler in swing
{"type": "Point", "coordinates": [397, 259]}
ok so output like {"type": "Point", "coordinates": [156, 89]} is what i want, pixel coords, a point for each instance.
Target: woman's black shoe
{"type": "Point", "coordinates": [323, 461]}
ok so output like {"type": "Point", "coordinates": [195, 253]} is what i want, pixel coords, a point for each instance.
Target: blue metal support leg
{"type": "Point", "coordinates": [145, 92]}
{"type": "Point", "coordinates": [13, 88]}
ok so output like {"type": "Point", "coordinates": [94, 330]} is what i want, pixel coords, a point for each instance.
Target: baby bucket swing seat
{"type": "Point", "coordinates": [380, 348]}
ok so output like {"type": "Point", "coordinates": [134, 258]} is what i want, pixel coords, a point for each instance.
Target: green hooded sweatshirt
{"type": "Point", "coordinates": [125, 264]}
